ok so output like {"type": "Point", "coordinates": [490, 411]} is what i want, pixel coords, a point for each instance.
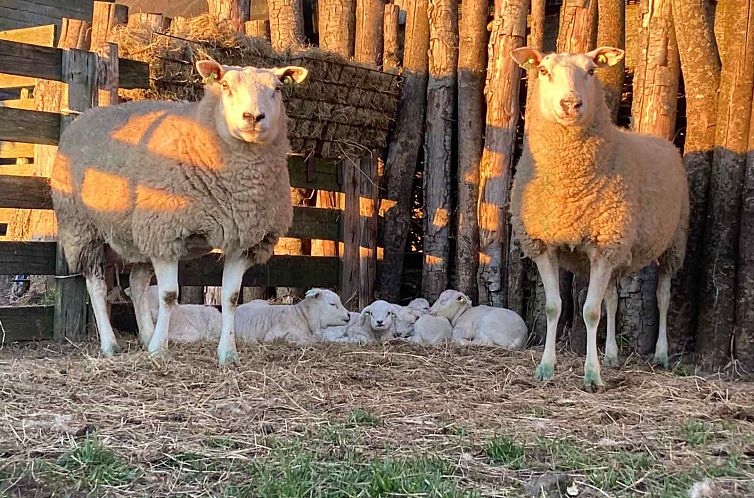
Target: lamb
{"type": "Point", "coordinates": [188, 322]}
{"type": "Point", "coordinates": [300, 323]}
{"type": "Point", "coordinates": [431, 330]}
{"type": "Point", "coordinates": [377, 321]}
{"type": "Point", "coordinates": [480, 324]}
{"type": "Point", "coordinates": [406, 316]}
{"type": "Point", "coordinates": [340, 333]}
{"type": "Point", "coordinates": [594, 199]}
{"type": "Point", "coordinates": [160, 182]}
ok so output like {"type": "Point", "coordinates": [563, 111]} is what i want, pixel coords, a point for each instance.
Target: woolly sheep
{"type": "Point", "coordinates": [406, 316]}
{"type": "Point", "coordinates": [377, 321]}
{"type": "Point", "coordinates": [431, 330]}
{"type": "Point", "coordinates": [300, 323]}
{"type": "Point", "coordinates": [159, 182]}
{"type": "Point", "coordinates": [340, 333]}
{"type": "Point", "coordinates": [594, 199]}
{"type": "Point", "coordinates": [480, 324]}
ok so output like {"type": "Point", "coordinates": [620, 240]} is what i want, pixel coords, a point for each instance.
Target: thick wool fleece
{"type": "Point", "coordinates": [154, 179]}
{"type": "Point", "coordinates": [598, 187]}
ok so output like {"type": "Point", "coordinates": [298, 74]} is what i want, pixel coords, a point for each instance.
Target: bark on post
{"type": "Point", "coordinates": [390, 60]}
{"type": "Point", "coordinates": [258, 29]}
{"type": "Point", "coordinates": [369, 36]}
{"type": "Point", "coordinates": [234, 12]}
{"type": "Point", "coordinates": [400, 166]}
{"type": "Point", "coordinates": [502, 87]}
{"type": "Point", "coordinates": [105, 17]}
{"type": "Point", "coordinates": [611, 31]}
{"type": "Point", "coordinates": [286, 23]}
{"type": "Point", "coordinates": [700, 65]}
{"type": "Point", "coordinates": [337, 26]}
{"type": "Point", "coordinates": [438, 144]}
{"type": "Point", "coordinates": [717, 308]}
{"type": "Point", "coordinates": [653, 111]}
{"type": "Point", "coordinates": [472, 63]}
{"type": "Point", "coordinates": [577, 22]}
{"type": "Point", "coordinates": [744, 340]}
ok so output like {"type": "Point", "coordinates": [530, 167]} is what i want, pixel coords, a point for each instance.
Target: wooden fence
{"type": "Point", "coordinates": [21, 126]}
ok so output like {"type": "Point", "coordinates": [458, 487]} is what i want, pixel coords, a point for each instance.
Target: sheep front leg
{"type": "Point", "coordinates": [611, 346]}
{"type": "Point", "coordinates": [235, 267]}
{"type": "Point", "coordinates": [97, 289]}
{"type": "Point", "coordinates": [141, 275]}
{"type": "Point", "coordinates": [600, 276]}
{"type": "Point", "coordinates": [547, 264]}
{"type": "Point", "coordinates": [167, 288]}
{"type": "Point", "coordinates": [663, 303]}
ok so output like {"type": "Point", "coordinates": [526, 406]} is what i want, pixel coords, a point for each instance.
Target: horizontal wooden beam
{"type": "Point", "coordinates": [33, 61]}
{"type": "Point", "coordinates": [26, 323]}
{"type": "Point", "coordinates": [24, 192]}
{"type": "Point", "coordinates": [29, 258]}
{"type": "Point", "coordinates": [16, 149]}
{"type": "Point", "coordinates": [17, 169]}
{"type": "Point", "coordinates": [27, 104]}
{"type": "Point", "coordinates": [36, 127]}
{"type": "Point", "coordinates": [36, 35]}
{"type": "Point", "coordinates": [315, 223]}
{"type": "Point", "coordinates": [319, 174]}
{"type": "Point", "coordinates": [14, 81]}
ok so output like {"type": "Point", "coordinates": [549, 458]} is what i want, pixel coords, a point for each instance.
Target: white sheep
{"type": "Point", "coordinates": [406, 316]}
{"type": "Point", "coordinates": [159, 182]}
{"type": "Point", "coordinates": [480, 324]}
{"type": "Point", "coordinates": [594, 199]}
{"type": "Point", "coordinates": [431, 330]}
{"type": "Point", "coordinates": [377, 321]}
{"type": "Point", "coordinates": [300, 323]}
{"type": "Point", "coordinates": [340, 333]}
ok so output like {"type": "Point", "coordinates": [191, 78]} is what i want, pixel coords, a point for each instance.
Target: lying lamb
{"type": "Point", "coordinates": [406, 316]}
{"type": "Point", "coordinates": [160, 182]}
{"type": "Point", "coordinates": [594, 199]}
{"type": "Point", "coordinates": [431, 330]}
{"type": "Point", "coordinates": [300, 323]}
{"type": "Point", "coordinates": [480, 324]}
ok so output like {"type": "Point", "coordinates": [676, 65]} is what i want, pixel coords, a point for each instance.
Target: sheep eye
{"type": "Point", "coordinates": [591, 72]}
{"type": "Point", "coordinates": [542, 71]}
{"type": "Point", "coordinates": [224, 84]}
{"type": "Point", "coordinates": [460, 298]}
{"type": "Point", "coordinates": [333, 304]}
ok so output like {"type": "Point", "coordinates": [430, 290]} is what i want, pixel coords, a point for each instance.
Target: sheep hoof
{"type": "Point", "coordinates": [611, 361]}
{"type": "Point", "coordinates": [157, 353]}
{"type": "Point", "coordinates": [593, 381]}
{"type": "Point", "coordinates": [145, 340]}
{"type": "Point", "coordinates": [545, 371]}
{"type": "Point", "coordinates": [661, 360]}
{"type": "Point", "coordinates": [110, 350]}
{"type": "Point", "coordinates": [228, 358]}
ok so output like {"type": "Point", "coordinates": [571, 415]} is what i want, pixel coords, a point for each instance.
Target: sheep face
{"type": "Point", "coordinates": [251, 99]}
{"type": "Point", "coordinates": [568, 92]}
{"type": "Point", "coordinates": [381, 316]}
{"type": "Point", "coordinates": [330, 312]}
{"type": "Point", "coordinates": [450, 304]}
{"type": "Point", "coordinates": [419, 304]}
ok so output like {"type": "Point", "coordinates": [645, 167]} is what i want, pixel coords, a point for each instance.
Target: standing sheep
{"type": "Point", "coordinates": [480, 324]}
{"type": "Point", "coordinates": [161, 182]}
{"type": "Point", "coordinates": [594, 199]}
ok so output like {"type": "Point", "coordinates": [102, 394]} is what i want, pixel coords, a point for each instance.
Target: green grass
{"type": "Point", "coordinates": [359, 417]}
{"type": "Point", "coordinates": [91, 464]}
{"type": "Point", "coordinates": [696, 433]}
{"type": "Point", "coordinates": [503, 450]}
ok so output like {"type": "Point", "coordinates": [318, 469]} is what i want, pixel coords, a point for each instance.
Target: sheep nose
{"type": "Point", "coordinates": [571, 105]}
{"type": "Point", "coordinates": [253, 119]}
{"type": "Point", "coordinates": [379, 322]}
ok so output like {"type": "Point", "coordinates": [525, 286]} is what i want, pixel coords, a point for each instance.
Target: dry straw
{"type": "Point", "coordinates": [344, 108]}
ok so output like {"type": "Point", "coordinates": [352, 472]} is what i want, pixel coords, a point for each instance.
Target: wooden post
{"type": "Point", "coordinates": [107, 74]}
{"type": "Point", "coordinates": [105, 16]}
{"type": "Point", "coordinates": [472, 64]}
{"type": "Point", "coordinates": [400, 166]}
{"type": "Point", "coordinates": [508, 33]}
{"type": "Point", "coordinates": [744, 338]}
{"type": "Point", "coordinates": [369, 26]}
{"type": "Point", "coordinates": [349, 288]}
{"type": "Point", "coordinates": [438, 140]}
{"type": "Point", "coordinates": [390, 60]}
{"type": "Point", "coordinates": [337, 26]}
{"type": "Point", "coordinates": [258, 29]}
{"type": "Point", "coordinates": [157, 23]}
{"type": "Point", "coordinates": [577, 26]}
{"type": "Point", "coordinates": [234, 12]}
{"type": "Point", "coordinates": [286, 23]}
{"type": "Point", "coordinates": [611, 32]}
{"type": "Point", "coordinates": [80, 74]}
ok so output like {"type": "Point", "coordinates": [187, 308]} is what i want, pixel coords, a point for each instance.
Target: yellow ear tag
{"type": "Point", "coordinates": [602, 59]}
{"type": "Point", "coordinates": [527, 65]}
{"type": "Point", "coordinates": [287, 80]}
{"type": "Point", "coordinates": [211, 79]}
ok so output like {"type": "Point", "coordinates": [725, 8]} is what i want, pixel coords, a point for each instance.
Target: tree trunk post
{"type": "Point", "coordinates": [577, 24]}
{"type": "Point", "coordinates": [744, 339]}
{"type": "Point", "coordinates": [286, 23]}
{"type": "Point", "coordinates": [369, 31]}
{"type": "Point", "coordinates": [390, 60]}
{"type": "Point", "coordinates": [337, 26]}
{"type": "Point", "coordinates": [258, 29]}
{"type": "Point", "coordinates": [611, 31]}
{"type": "Point", "coordinates": [105, 17]}
{"type": "Point", "coordinates": [234, 12]}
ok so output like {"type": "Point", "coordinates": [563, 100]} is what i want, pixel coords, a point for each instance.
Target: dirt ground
{"type": "Point", "coordinates": [345, 420]}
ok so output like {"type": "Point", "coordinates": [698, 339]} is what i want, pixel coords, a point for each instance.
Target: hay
{"type": "Point", "coordinates": [343, 108]}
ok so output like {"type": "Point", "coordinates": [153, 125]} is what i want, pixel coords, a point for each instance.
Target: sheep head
{"type": "Point", "coordinates": [450, 304]}
{"type": "Point", "coordinates": [569, 94]}
{"type": "Point", "coordinates": [381, 316]}
{"type": "Point", "coordinates": [251, 102]}
{"type": "Point", "coordinates": [325, 306]}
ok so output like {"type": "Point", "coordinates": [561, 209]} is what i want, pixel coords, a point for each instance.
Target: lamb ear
{"type": "Point", "coordinates": [527, 57]}
{"type": "Point", "coordinates": [210, 70]}
{"type": "Point", "coordinates": [290, 75]}
{"type": "Point", "coordinates": [606, 56]}
{"type": "Point", "coordinates": [312, 293]}
{"type": "Point", "coordinates": [363, 315]}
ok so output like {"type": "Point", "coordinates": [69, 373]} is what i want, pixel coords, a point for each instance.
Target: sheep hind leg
{"type": "Point", "coordinates": [547, 264]}
{"type": "Point", "coordinates": [97, 289]}
{"type": "Point", "coordinates": [141, 274]}
{"type": "Point", "coordinates": [167, 288]}
{"type": "Point", "coordinates": [600, 276]}
{"type": "Point", "coordinates": [611, 346]}
{"type": "Point", "coordinates": [233, 270]}
{"type": "Point", "coordinates": [663, 303]}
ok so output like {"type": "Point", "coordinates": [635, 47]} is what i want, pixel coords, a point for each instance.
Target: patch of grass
{"type": "Point", "coordinates": [697, 433]}
{"type": "Point", "coordinates": [92, 463]}
{"type": "Point", "coordinates": [506, 451]}
{"type": "Point", "coordinates": [624, 470]}
{"type": "Point", "coordinates": [565, 454]}
{"type": "Point", "coordinates": [362, 417]}
{"type": "Point", "coordinates": [221, 442]}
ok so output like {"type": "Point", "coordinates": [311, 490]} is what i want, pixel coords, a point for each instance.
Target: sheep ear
{"type": "Point", "coordinates": [210, 70]}
{"type": "Point", "coordinates": [527, 57]}
{"type": "Point", "coordinates": [363, 316]}
{"type": "Point", "coordinates": [312, 293]}
{"type": "Point", "coordinates": [291, 75]}
{"type": "Point", "coordinates": [606, 56]}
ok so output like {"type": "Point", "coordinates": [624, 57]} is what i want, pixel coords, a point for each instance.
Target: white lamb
{"type": "Point", "coordinates": [431, 330]}
{"type": "Point", "coordinates": [406, 316]}
{"type": "Point", "coordinates": [480, 324]}
{"type": "Point", "coordinates": [160, 182]}
{"type": "Point", "coordinates": [300, 323]}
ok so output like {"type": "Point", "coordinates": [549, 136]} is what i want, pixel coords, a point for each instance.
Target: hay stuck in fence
{"type": "Point", "coordinates": [343, 108]}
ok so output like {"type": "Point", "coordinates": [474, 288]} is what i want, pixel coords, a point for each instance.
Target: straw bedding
{"type": "Point", "coordinates": [344, 108]}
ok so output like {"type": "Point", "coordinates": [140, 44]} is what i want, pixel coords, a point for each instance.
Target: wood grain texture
{"type": "Point", "coordinates": [25, 323]}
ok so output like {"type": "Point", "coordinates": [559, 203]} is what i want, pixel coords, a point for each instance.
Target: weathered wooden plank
{"type": "Point", "coordinates": [13, 81]}
{"type": "Point", "coordinates": [319, 174]}
{"type": "Point", "coordinates": [36, 35]}
{"type": "Point", "coordinates": [25, 323]}
{"type": "Point", "coordinates": [27, 104]}
{"type": "Point", "coordinates": [18, 125]}
{"type": "Point", "coordinates": [105, 16]}
{"type": "Point", "coordinates": [24, 192]}
{"type": "Point", "coordinates": [349, 284]}
{"type": "Point", "coordinates": [133, 74]}
{"type": "Point", "coordinates": [319, 223]}
{"type": "Point", "coordinates": [24, 59]}
{"type": "Point", "coordinates": [30, 258]}
{"type": "Point", "coordinates": [17, 169]}
{"type": "Point", "coordinates": [16, 149]}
